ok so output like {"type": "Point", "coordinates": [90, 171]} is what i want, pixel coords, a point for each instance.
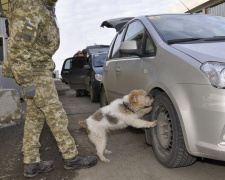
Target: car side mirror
{"type": "Point", "coordinates": [130, 47]}
{"type": "Point", "coordinates": [86, 67]}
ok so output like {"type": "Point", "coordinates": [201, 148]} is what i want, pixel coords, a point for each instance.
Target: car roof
{"type": "Point", "coordinates": [96, 46]}
{"type": "Point", "coordinates": [96, 49]}
{"type": "Point", "coordinates": [76, 57]}
{"type": "Point", "coordinates": [99, 53]}
{"type": "Point", "coordinates": [169, 14]}
{"type": "Point", "coordinates": [118, 23]}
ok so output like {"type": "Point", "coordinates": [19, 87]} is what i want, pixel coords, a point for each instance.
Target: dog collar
{"type": "Point", "coordinates": [127, 107]}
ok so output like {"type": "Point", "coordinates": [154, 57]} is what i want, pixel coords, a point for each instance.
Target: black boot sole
{"type": "Point", "coordinates": [32, 175]}
{"type": "Point", "coordinates": [79, 166]}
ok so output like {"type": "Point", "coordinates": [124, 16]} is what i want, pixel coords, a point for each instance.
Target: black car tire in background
{"type": "Point", "coordinates": [77, 92]}
{"type": "Point", "coordinates": [103, 100]}
{"type": "Point", "coordinates": [81, 92]}
{"type": "Point", "coordinates": [93, 92]}
{"type": "Point", "coordinates": [167, 138]}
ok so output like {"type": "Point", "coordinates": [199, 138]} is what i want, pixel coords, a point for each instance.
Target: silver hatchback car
{"type": "Point", "coordinates": [180, 60]}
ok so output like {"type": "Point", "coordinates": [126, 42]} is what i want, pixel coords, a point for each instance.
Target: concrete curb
{"type": "Point", "coordinates": [10, 108]}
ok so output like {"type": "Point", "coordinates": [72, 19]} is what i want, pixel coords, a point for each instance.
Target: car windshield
{"type": "Point", "coordinates": [188, 27]}
{"type": "Point", "coordinates": [99, 59]}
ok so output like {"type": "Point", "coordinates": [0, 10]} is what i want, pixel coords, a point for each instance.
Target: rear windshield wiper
{"type": "Point", "coordinates": [215, 38]}
{"type": "Point", "coordinates": [174, 41]}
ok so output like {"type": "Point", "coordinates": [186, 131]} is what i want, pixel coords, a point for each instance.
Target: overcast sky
{"type": "Point", "coordinates": [79, 21]}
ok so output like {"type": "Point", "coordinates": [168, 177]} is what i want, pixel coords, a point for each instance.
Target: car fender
{"type": "Point", "coordinates": [160, 87]}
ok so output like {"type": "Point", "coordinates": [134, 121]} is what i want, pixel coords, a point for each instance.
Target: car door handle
{"type": "Point", "coordinates": [118, 69]}
{"type": "Point", "coordinates": [66, 72]}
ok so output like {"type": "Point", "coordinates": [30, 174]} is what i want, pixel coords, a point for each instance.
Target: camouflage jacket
{"type": "Point", "coordinates": [34, 38]}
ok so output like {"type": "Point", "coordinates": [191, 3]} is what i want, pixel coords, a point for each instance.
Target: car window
{"type": "Point", "coordinates": [99, 59]}
{"type": "Point", "coordinates": [172, 27]}
{"type": "Point", "coordinates": [150, 48]}
{"type": "Point", "coordinates": [115, 51]}
{"type": "Point", "coordinates": [79, 62]}
{"type": "Point", "coordinates": [135, 32]}
{"type": "Point", "coordinates": [67, 64]}
{"type": "Point", "coordinates": [110, 48]}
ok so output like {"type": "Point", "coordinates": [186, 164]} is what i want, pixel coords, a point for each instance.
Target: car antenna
{"type": "Point", "coordinates": [186, 7]}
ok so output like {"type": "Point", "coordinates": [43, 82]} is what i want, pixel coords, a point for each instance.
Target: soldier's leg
{"type": "Point", "coordinates": [57, 120]}
{"type": "Point", "coordinates": [47, 98]}
{"type": "Point", "coordinates": [32, 130]}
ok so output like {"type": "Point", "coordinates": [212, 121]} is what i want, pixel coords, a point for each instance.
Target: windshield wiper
{"type": "Point", "coordinates": [174, 41]}
{"type": "Point", "coordinates": [215, 38]}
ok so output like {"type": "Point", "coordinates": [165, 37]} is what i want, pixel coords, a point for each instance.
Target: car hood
{"type": "Point", "coordinates": [98, 70]}
{"type": "Point", "coordinates": [203, 51]}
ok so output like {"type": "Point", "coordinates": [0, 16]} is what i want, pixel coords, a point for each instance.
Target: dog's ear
{"type": "Point", "coordinates": [133, 97]}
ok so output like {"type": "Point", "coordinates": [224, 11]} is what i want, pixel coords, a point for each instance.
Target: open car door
{"type": "Point", "coordinates": [116, 23]}
{"type": "Point", "coordinates": [73, 72]}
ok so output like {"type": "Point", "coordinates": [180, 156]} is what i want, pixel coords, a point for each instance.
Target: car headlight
{"type": "Point", "coordinates": [98, 77]}
{"type": "Point", "coordinates": [215, 71]}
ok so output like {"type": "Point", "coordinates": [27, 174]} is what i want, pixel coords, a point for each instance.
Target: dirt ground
{"type": "Point", "coordinates": [132, 158]}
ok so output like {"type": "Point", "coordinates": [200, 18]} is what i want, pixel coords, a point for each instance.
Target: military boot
{"type": "Point", "coordinates": [31, 170]}
{"type": "Point", "coordinates": [79, 162]}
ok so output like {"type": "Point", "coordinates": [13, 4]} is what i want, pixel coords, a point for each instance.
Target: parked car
{"type": "Point", "coordinates": [79, 71]}
{"type": "Point", "coordinates": [73, 73]}
{"type": "Point", "coordinates": [93, 68]}
{"type": "Point", "coordinates": [180, 60]}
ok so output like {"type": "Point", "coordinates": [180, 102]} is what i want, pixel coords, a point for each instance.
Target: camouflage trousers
{"type": "Point", "coordinates": [46, 106]}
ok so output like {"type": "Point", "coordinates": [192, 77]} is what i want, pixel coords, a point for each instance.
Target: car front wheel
{"type": "Point", "coordinates": [93, 94]}
{"type": "Point", "coordinates": [167, 137]}
{"type": "Point", "coordinates": [103, 100]}
{"type": "Point", "coordinates": [77, 92]}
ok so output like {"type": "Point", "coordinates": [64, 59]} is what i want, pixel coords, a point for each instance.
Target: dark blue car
{"type": "Point", "coordinates": [79, 71]}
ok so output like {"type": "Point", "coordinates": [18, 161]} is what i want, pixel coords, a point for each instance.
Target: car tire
{"type": "Point", "coordinates": [77, 92]}
{"type": "Point", "coordinates": [103, 100]}
{"type": "Point", "coordinates": [93, 94]}
{"type": "Point", "coordinates": [167, 138]}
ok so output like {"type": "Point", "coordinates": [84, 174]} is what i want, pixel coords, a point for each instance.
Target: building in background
{"type": "Point", "coordinates": [214, 7]}
{"type": "Point", "coordinates": [56, 74]}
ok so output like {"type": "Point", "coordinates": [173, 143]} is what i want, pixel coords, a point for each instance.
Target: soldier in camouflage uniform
{"type": "Point", "coordinates": [34, 38]}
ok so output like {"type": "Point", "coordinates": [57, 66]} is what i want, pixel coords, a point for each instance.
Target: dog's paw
{"type": "Point", "coordinates": [108, 152]}
{"type": "Point", "coordinates": [149, 109]}
{"type": "Point", "coordinates": [105, 160]}
{"type": "Point", "coordinates": [154, 123]}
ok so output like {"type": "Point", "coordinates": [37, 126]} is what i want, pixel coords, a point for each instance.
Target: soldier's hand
{"type": "Point", "coordinates": [29, 91]}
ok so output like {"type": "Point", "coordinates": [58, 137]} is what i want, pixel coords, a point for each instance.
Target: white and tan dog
{"type": "Point", "coordinates": [117, 115]}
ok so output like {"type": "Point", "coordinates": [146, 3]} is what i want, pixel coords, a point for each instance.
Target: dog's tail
{"type": "Point", "coordinates": [83, 124]}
